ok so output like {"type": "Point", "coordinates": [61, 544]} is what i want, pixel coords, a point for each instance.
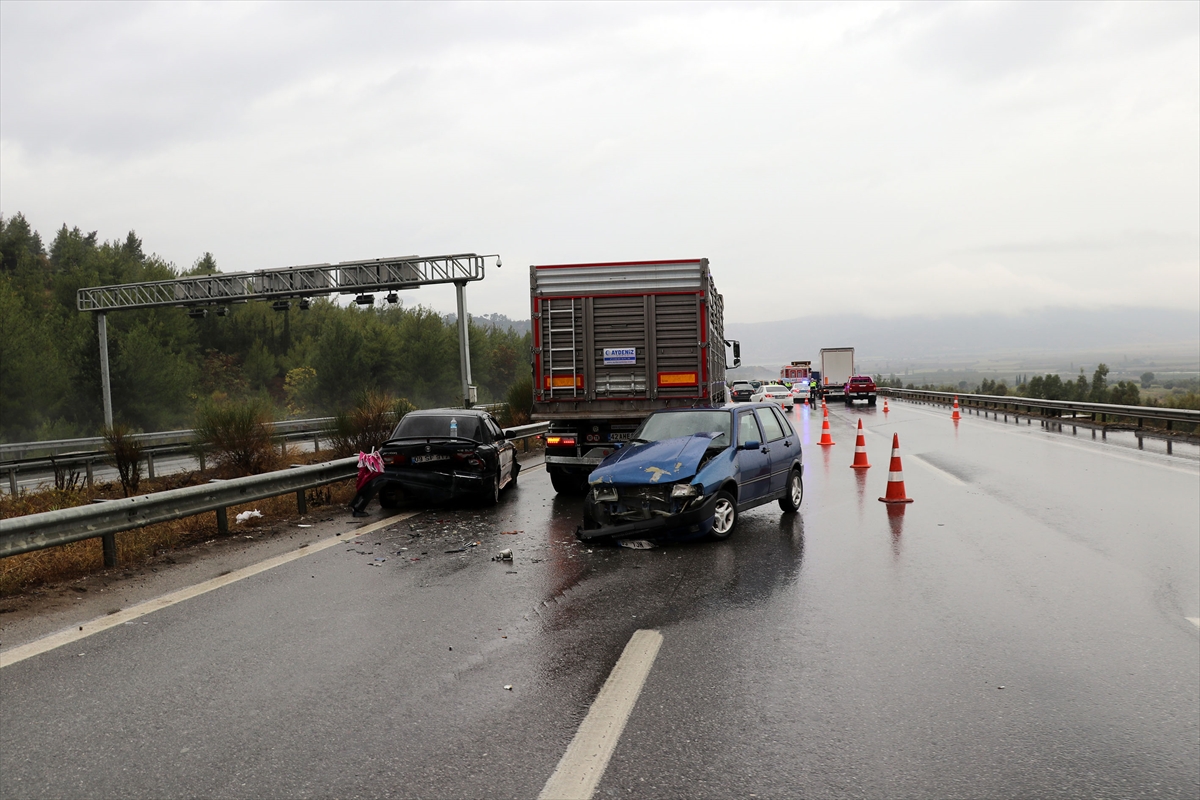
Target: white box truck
{"type": "Point", "coordinates": [837, 367]}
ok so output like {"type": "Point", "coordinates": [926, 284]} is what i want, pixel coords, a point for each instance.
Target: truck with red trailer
{"type": "Point", "coordinates": [613, 342]}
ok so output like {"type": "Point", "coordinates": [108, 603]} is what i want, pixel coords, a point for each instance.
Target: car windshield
{"type": "Point", "coordinates": [776, 388]}
{"type": "Point", "coordinates": [426, 426]}
{"type": "Point", "coordinates": [658, 427]}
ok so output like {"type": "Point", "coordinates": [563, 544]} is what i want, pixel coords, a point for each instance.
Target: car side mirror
{"type": "Point", "coordinates": [506, 435]}
{"type": "Point", "coordinates": [750, 445]}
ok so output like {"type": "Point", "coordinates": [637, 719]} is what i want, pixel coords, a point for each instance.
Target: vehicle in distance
{"type": "Point", "coordinates": [800, 391]}
{"type": "Point", "coordinates": [774, 393]}
{"type": "Point", "coordinates": [740, 391]}
{"type": "Point", "coordinates": [689, 473]}
{"type": "Point", "coordinates": [447, 453]}
{"type": "Point", "coordinates": [837, 367]}
{"type": "Point", "coordinates": [860, 387]}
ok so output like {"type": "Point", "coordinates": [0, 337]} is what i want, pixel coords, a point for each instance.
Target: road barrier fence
{"type": "Point", "coordinates": [1176, 422]}
{"type": "Point", "coordinates": [106, 519]}
{"type": "Point", "coordinates": [59, 454]}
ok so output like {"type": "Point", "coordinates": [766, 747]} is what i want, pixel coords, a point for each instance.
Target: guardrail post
{"type": "Point", "coordinates": [1139, 438]}
{"type": "Point", "coordinates": [222, 522]}
{"type": "Point", "coordinates": [12, 481]}
{"type": "Point", "coordinates": [301, 501]}
{"type": "Point", "coordinates": [150, 465]}
{"type": "Point", "coordinates": [109, 543]}
{"type": "Point", "coordinates": [316, 442]}
{"type": "Point", "coordinates": [202, 461]}
{"type": "Point", "coordinates": [283, 446]}
{"type": "Point", "coordinates": [90, 477]}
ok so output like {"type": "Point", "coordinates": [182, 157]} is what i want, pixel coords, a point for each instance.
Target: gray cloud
{"type": "Point", "coordinates": [872, 158]}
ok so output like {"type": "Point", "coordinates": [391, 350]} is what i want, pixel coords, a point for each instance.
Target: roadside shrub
{"type": "Point", "coordinates": [519, 406]}
{"type": "Point", "coordinates": [125, 453]}
{"type": "Point", "coordinates": [237, 435]}
{"type": "Point", "coordinates": [368, 424]}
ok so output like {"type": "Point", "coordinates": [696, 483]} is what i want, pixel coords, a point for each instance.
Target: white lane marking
{"type": "Point", "coordinates": [579, 772]}
{"type": "Point", "coordinates": [1195, 621]}
{"type": "Point", "coordinates": [941, 472]}
{"type": "Point", "coordinates": [75, 633]}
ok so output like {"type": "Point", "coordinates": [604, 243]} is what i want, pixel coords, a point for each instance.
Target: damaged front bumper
{"type": "Point", "coordinates": [693, 521]}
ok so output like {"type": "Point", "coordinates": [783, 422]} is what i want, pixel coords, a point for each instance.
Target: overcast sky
{"type": "Point", "coordinates": [887, 158]}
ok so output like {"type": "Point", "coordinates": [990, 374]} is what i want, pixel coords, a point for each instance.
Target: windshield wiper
{"type": "Point", "coordinates": [643, 441]}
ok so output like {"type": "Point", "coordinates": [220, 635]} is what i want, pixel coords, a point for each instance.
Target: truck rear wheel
{"type": "Point", "coordinates": [567, 483]}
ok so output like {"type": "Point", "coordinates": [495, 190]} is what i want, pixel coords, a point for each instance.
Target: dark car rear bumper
{"type": "Point", "coordinates": [438, 485]}
{"type": "Point", "coordinates": [693, 521]}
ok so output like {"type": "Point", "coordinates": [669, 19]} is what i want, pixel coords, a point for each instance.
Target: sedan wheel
{"type": "Point", "coordinates": [790, 502]}
{"type": "Point", "coordinates": [491, 490]}
{"type": "Point", "coordinates": [724, 516]}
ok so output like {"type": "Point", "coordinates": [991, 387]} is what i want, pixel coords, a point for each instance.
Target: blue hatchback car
{"type": "Point", "coordinates": [690, 472]}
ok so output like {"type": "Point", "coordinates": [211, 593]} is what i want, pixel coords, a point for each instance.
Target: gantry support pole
{"type": "Point", "coordinates": [464, 343]}
{"type": "Point", "coordinates": [105, 384]}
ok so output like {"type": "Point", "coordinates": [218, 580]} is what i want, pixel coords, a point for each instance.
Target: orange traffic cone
{"type": "Point", "coordinates": [956, 416]}
{"type": "Point", "coordinates": [860, 450]}
{"type": "Point", "coordinates": [895, 487]}
{"type": "Point", "coordinates": [826, 439]}
{"type": "Point", "coordinates": [885, 408]}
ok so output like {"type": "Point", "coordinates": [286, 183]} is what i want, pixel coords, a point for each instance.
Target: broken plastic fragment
{"type": "Point", "coordinates": [636, 544]}
{"type": "Point", "coordinates": [246, 516]}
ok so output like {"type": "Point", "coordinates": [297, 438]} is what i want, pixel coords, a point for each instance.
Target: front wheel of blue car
{"type": "Point", "coordinates": [724, 516]}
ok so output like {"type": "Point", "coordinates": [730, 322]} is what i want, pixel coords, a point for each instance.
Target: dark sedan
{"type": "Point", "coordinates": [447, 453]}
{"type": "Point", "coordinates": [690, 472]}
{"type": "Point", "coordinates": [740, 391]}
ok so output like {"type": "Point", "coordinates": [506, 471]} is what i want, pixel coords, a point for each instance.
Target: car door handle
{"type": "Point", "coordinates": [787, 442]}
{"type": "Point", "coordinates": [765, 450]}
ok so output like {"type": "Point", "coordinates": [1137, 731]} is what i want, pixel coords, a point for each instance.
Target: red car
{"type": "Point", "coordinates": [861, 387]}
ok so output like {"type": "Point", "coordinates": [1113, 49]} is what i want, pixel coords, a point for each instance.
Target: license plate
{"type": "Point", "coordinates": [427, 459]}
{"type": "Point", "coordinates": [619, 437]}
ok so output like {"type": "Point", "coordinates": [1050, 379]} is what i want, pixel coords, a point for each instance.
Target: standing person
{"type": "Point", "coordinates": [370, 477]}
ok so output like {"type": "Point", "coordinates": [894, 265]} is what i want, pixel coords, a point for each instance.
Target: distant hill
{"type": "Point", "coordinates": [1057, 331]}
{"type": "Point", "coordinates": [521, 326]}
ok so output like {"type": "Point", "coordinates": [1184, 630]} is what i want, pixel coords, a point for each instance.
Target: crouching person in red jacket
{"type": "Point", "coordinates": [370, 478]}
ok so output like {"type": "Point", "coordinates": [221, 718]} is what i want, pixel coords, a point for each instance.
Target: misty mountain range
{"type": "Point", "coordinates": [1061, 331]}
{"type": "Point", "coordinates": [1037, 335]}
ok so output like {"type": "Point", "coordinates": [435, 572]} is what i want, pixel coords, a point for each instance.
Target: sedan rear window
{"type": "Point", "coordinates": [428, 426]}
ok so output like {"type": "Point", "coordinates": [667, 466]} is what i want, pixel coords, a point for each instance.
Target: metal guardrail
{"type": "Point", "coordinates": [52, 528]}
{"type": "Point", "coordinates": [94, 445]}
{"type": "Point", "coordinates": [58, 453]}
{"type": "Point", "coordinates": [1097, 412]}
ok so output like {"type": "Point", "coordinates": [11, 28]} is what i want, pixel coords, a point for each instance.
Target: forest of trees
{"type": "Point", "coordinates": [164, 364]}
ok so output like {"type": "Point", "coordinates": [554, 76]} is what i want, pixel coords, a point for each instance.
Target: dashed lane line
{"type": "Point", "coordinates": [75, 633]}
{"type": "Point", "coordinates": [582, 766]}
{"type": "Point", "coordinates": [1194, 620]}
{"type": "Point", "coordinates": [940, 472]}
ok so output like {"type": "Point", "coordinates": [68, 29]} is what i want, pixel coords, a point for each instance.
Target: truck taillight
{"type": "Point", "coordinates": [560, 441]}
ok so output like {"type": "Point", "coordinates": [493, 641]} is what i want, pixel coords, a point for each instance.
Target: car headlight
{"type": "Point", "coordinates": [684, 490]}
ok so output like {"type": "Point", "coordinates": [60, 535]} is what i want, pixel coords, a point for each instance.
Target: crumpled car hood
{"type": "Point", "coordinates": [667, 461]}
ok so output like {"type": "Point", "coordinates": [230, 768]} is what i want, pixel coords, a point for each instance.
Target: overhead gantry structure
{"type": "Point", "coordinates": [282, 287]}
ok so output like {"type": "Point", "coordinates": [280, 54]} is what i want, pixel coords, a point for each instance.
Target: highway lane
{"type": "Point", "coordinates": [842, 651]}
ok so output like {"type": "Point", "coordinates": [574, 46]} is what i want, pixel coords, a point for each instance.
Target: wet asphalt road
{"type": "Point", "coordinates": [839, 652]}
